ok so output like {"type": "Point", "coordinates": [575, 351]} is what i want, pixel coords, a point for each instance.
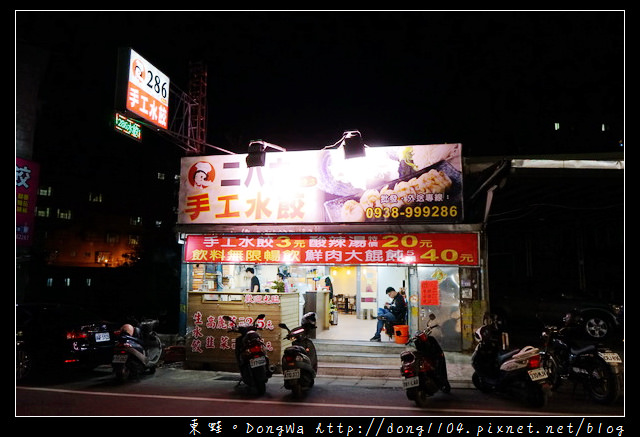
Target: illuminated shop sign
{"type": "Point", "coordinates": [432, 249]}
{"type": "Point", "coordinates": [128, 127]}
{"type": "Point", "coordinates": [403, 184]}
{"type": "Point", "coordinates": [146, 93]}
{"type": "Point", "coordinates": [27, 175]}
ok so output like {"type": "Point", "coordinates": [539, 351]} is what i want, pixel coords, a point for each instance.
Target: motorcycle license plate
{"type": "Point", "coordinates": [610, 357]}
{"type": "Point", "coordinates": [408, 383]}
{"type": "Point", "coordinates": [119, 358]}
{"type": "Point", "coordinates": [257, 362]}
{"type": "Point", "coordinates": [102, 336]}
{"type": "Point", "coordinates": [538, 374]}
{"type": "Point", "coordinates": [292, 374]}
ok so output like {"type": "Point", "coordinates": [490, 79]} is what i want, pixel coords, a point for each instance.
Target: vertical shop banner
{"type": "Point", "coordinates": [400, 184]}
{"type": "Point", "coordinates": [431, 249]}
{"type": "Point", "coordinates": [27, 175]}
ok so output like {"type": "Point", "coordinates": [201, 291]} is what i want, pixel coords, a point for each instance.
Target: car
{"type": "Point", "coordinates": [600, 320]}
{"type": "Point", "coordinates": [53, 336]}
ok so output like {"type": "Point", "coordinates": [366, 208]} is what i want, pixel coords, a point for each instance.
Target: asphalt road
{"type": "Point", "coordinates": [175, 392]}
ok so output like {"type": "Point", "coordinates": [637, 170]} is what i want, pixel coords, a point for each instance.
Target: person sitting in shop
{"type": "Point", "coordinates": [255, 282]}
{"type": "Point", "coordinates": [393, 313]}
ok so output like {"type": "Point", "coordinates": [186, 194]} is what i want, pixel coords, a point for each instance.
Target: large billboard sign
{"type": "Point", "coordinates": [399, 184]}
{"type": "Point", "coordinates": [142, 89]}
{"type": "Point", "coordinates": [27, 175]}
{"type": "Point", "coordinates": [432, 249]}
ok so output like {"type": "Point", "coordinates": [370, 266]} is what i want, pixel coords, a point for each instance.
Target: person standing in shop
{"type": "Point", "coordinates": [281, 278]}
{"type": "Point", "coordinates": [255, 282]}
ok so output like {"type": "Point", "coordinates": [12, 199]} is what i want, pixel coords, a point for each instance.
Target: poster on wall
{"type": "Point", "coordinates": [399, 184]}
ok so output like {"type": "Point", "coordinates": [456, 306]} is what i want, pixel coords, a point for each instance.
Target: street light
{"type": "Point", "coordinates": [353, 144]}
{"type": "Point", "coordinates": [257, 152]}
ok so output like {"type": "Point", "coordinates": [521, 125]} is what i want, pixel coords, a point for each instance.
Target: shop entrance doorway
{"type": "Point", "coordinates": [358, 293]}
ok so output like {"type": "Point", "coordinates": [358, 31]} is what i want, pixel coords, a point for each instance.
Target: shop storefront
{"type": "Point", "coordinates": [391, 218]}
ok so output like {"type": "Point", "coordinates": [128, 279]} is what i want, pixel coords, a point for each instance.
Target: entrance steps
{"type": "Point", "coordinates": [359, 358]}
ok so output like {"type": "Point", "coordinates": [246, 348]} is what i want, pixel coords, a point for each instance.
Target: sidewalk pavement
{"type": "Point", "coordinates": [459, 372]}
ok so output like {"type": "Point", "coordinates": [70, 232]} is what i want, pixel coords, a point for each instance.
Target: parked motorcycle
{"type": "Point", "coordinates": [299, 361]}
{"type": "Point", "coordinates": [251, 355]}
{"type": "Point", "coordinates": [516, 372]}
{"type": "Point", "coordinates": [424, 369]}
{"type": "Point", "coordinates": [595, 367]}
{"type": "Point", "coordinates": [137, 350]}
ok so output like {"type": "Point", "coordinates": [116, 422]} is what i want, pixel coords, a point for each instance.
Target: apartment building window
{"type": "Point", "coordinates": [103, 257]}
{"type": "Point", "coordinates": [44, 191]}
{"type": "Point", "coordinates": [112, 238]}
{"type": "Point", "coordinates": [135, 221]}
{"type": "Point", "coordinates": [63, 214]}
{"type": "Point", "coordinates": [95, 197]}
{"type": "Point", "coordinates": [43, 212]}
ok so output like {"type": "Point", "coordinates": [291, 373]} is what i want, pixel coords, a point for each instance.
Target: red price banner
{"type": "Point", "coordinates": [352, 249]}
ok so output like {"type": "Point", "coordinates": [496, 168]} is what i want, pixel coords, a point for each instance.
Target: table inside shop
{"type": "Point", "coordinates": [345, 304]}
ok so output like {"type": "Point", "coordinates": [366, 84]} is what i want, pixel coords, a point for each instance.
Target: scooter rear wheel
{"type": "Point", "coordinates": [537, 396]}
{"type": "Point", "coordinates": [421, 398]}
{"type": "Point", "coordinates": [122, 372]}
{"type": "Point", "coordinates": [602, 383]}
{"type": "Point", "coordinates": [479, 383]}
{"type": "Point", "coordinates": [296, 390]}
{"type": "Point", "coordinates": [261, 387]}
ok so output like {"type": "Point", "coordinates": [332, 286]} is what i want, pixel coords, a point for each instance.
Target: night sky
{"type": "Point", "coordinates": [300, 79]}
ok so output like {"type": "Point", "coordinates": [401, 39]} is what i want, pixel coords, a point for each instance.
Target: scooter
{"type": "Point", "coordinates": [137, 350]}
{"type": "Point", "coordinates": [595, 367]}
{"type": "Point", "coordinates": [517, 372]}
{"type": "Point", "coordinates": [299, 361]}
{"type": "Point", "coordinates": [251, 355]}
{"type": "Point", "coordinates": [424, 369]}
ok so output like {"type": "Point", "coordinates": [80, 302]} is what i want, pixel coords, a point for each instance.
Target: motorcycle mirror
{"type": "Point", "coordinates": [227, 318]}
{"type": "Point", "coordinates": [260, 316]}
{"type": "Point", "coordinates": [283, 325]}
{"type": "Point", "coordinates": [432, 316]}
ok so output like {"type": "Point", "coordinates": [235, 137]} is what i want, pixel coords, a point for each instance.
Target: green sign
{"type": "Point", "coordinates": [128, 127]}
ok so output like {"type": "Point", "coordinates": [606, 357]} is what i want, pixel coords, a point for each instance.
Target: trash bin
{"type": "Point", "coordinates": [333, 318]}
{"type": "Point", "coordinates": [401, 333]}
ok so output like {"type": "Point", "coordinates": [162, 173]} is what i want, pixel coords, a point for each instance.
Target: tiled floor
{"type": "Point", "coordinates": [349, 327]}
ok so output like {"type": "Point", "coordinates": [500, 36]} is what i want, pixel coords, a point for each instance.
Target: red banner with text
{"type": "Point", "coordinates": [433, 249]}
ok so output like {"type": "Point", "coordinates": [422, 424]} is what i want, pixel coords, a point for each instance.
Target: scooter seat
{"type": "Point", "coordinates": [507, 355]}
{"type": "Point", "coordinates": [587, 348]}
{"type": "Point", "coordinates": [296, 349]}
